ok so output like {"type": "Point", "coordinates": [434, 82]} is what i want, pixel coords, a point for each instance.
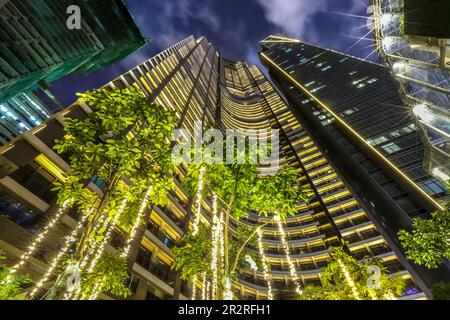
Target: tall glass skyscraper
{"type": "Point", "coordinates": [354, 110]}
{"type": "Point", "coordinates": [413, 38]}
{"type": "Point", "coordinates": [193, 79]}
{"type": "Point", "coordinates": [37, 46]}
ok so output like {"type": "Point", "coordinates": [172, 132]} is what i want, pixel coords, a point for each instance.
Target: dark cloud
{"type": "Point", "coordinates": [235, 27]}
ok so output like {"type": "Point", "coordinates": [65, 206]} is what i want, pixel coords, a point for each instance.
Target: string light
{"type": "Point", "coordinates": [349, 279]}
{"type": "Point", "coordinates": [216, 228]}
{"type": "Point", "coordinates": [389, 296]}
{"type": "Point", "coordinates": [107, 237]}
{"type": "Point", "coordinates": [292, 269]}
{"type": "Point", "coordinates": [135, 227]}
{"type": "Point", "coordinates": [97, 249]}
{"type": "Point", "coordinates": [194, 287]}
{"type": "Point", "coordinates": [93, 244]}
{"type": "Point", "coordinates": [208, 285]}
{"type": "Point", "coordinates": [204, 286]}
{"type": "Point", "coordinates": [264, 264]}
{"type": "Point", "coordinates": [102, 223]}
{"type": "Point", "coordinates": [228, 294]}
{"type": "Point", "coordinates": [199, 197]}
{"type": "Point", "coordinates": [34, 245]}
{"type": "Point", "coordinates": [95, 292]}
{"type": "Point", "coordinates": [221, 236]}
{"type": "Point", "coordinates": [68, 242]}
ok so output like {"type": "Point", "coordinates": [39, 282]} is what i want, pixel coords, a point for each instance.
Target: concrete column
{"type": "Point", "coordinates": [141, 291]}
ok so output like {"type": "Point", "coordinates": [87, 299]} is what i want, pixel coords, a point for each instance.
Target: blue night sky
{"type": "Point", "coordinates": [235, 27]}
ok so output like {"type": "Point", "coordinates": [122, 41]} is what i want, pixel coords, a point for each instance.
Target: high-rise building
{"type": "Point", "coordinates": [194, 80]}
{"type": "Point", "coordinates": [353, 109]}
{"type": "Point", "coordinates": [39, 45]}
{"type": "Point", "coordinates": [413, 38]}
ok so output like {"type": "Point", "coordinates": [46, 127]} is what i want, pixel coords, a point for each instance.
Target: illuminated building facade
{"type": "Point", "coordinates": [353, 109]}
{"type": "Point", "coordinates": [413, 38]}
{"type": "Point", "coordinates": [37, 47]}
{"type": "Point", "coordinates": [193, 79]}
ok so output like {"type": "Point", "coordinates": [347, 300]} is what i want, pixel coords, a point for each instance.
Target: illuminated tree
{"type": "Point", "coordinates": [344, 278]}
{"type": "Point", "coordinates": [241, 189]}
{"type": "Point", "coordinates": [124, 143]}
{"type": "Point", "coordinates": [13, 290]}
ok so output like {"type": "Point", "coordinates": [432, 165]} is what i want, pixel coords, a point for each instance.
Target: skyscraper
{"type": "Point", "coordinates": [39, 45]}
{"type": "Point", "coordinates": [195, 81]}
{"type": "Point", "coordinates": [353, 108]}
{"type": "Point", "coordinates": [414, 41]}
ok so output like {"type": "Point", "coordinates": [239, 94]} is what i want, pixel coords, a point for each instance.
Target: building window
{"type": "Point", "coordinates": [318, 88]}
{"type": "Point", "coordinates": [391, 148]}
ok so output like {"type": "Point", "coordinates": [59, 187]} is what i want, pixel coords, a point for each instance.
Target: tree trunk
{"type": "Point", "coordinates": [135, 245]}
{"type": "Point", "coordinates": [236, 259]}
{"type": "Point", "coordinates": [96, 216]}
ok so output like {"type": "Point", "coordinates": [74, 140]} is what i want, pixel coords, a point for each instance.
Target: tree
{"type": "Point", "coordinates": [344, 278]}
{"type": "Point", "coordinates": [13, 289]}
{"type": "Point", "coordinates": [194, 257]}
{"type": "Point", "coordinates": [109, 276]}
{"type": "Point", "coordinates": [441, 291]}
{"type": "Point", "coordinates": [124, 143]}
{"type": "Point", "coordinates": [428, 243]}
{"type": "Point", "coordinates": [242, 189]}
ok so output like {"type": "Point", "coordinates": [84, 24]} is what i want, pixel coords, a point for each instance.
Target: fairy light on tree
{"type": "Point", "coordinates": [36, 242]}
{"type": "Point", "coordinates": [204, 286]}
{"type": "Point", "coordinates": [215, 232]}
{"type": "Point", "coordinates": [349, 279]}
{"type": "Point", "coordinates": [194, 288]}
{"type": "Point", "coordinates": [264, 265]}
{"type": "Point", "coordinates": [68, 242]}
{"type": "Point", "coordinates": [199, 198]}
{"type": "Point", "coordinates": [128, 140]}
{"type": "Point", "coordinates": [228, 294]}
{"type": "Point", "coordinates": [134, 229]}
{"type": "Point", "coordinates": [292, 269]}
{"type": "Point", "coordinates": [105, 240]}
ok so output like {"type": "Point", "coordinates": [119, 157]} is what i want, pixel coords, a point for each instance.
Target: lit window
{"type": "Point", "coordinates": [377, 141]}
{"type": "Point", "coordinates": [326, 68]}
{"type": "Point", "coordinates": [353, 72]}
{"type": "Point", "coordinates": [391, 147]}
{"type": "Point", "coordinates": [318, 88]}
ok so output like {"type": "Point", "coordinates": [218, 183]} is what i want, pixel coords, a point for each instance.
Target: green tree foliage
{"type": "Point", "coordinates": [13, 290]}
{"type": "Point", "coordinates": [125, 138]}
{"type": "Point", "coordinates": [194, 257]}
{"type": "Point", "coordinates": [243, 239]}
{"type": "Point", "coordinates": [335, 286]}
{"type": "Point", "coordinates": [441, 291]}
{"type": "Point", "coordinates": [428, 243]}
{"type": "Point", "coordinates": [241, 189]}
{"type": "Point", "coordinates": [109, 276]}
{"type": "Point", "coordinates": [278, 193]}
{"type": "Point", "coordinates": [125, 144]}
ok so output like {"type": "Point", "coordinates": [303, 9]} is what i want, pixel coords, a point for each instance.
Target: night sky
{"type": "Point", "coordinates": [235, 27]}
